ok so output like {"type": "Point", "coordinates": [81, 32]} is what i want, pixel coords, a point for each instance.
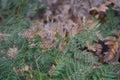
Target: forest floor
{"type": "Point", "coordinates": [77, 40]}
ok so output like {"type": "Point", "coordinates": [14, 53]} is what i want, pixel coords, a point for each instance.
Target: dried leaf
{"type": "Point", "coordinates": [24, 69]}
{"type": "Point", "coordinates": [110, 55]}
{"type": "Point", "coordinates": [51, 70]}
{"type": "Point", "coordinates": [12, 52]}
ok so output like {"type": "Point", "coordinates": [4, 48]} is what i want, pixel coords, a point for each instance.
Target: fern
{"type": "Point", "coordinates": [74, 63]}
{"type": "Point", "coordinates": [110, 24]}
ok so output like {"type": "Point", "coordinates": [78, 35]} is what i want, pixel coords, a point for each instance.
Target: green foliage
{"type": "Point", "coordinates": [39, 76]}
{"type": "Point", "coordinates": [20, 7]}
{"type": "Point", "coordinates": [110, 24]}
{"type": "Point", "coordinates": [71, 64]}
{"type": "Point", "coordinates": [83, 37]}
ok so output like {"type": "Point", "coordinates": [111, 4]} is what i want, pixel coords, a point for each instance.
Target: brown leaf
{"type": "Point", "coordinates": [51, 70]}
{"type": "Point", "coordinates": [110, 55]}
{"type": "Point", "coordinates": [116, 32]}
{"type": "Point", "coordinates": [26, 68]}
{"type": "Point", "coordinates": [12, 52]}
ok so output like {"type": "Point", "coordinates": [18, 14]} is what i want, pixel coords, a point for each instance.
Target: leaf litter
{"type": "Point", "coordinates": [68, 18]}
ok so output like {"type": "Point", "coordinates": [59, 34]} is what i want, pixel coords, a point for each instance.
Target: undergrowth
{"type": "Point", "coordinates": [35, 63]}
{"type": "Point", "coordinates": [110, 24]}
